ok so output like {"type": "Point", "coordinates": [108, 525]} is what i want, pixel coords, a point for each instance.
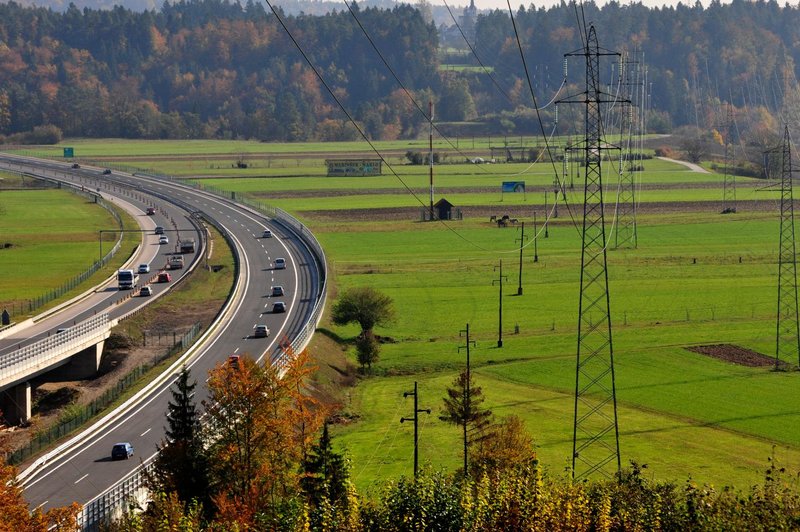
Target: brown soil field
{"type": "Point", "coordinates": [735, 355]}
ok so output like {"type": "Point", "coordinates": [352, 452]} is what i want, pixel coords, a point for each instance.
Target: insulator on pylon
{"type": "Point", "coordinates": [556, 115]}
{"type": "Point", "coordinates": [565, 67]}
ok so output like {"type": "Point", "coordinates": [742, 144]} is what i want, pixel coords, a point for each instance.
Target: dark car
{"type": "Point", "coordinates": [277, 291]}
{"type": "Point", "coordinates": [121, 451]}
{"type": "Point", "coordinates": [76, 165]}
{"type": "Point", "coordinates": [278, 307]}
{"type": "Point", "coordinates": [106, 172]}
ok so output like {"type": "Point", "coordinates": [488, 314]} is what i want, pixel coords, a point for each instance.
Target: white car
{"type": "Point", "coordinates": [144, 268]}
{"type": "Point", "coordinates": [163, 239]}
{"type": "Point", "coordinates": [280, 264]}
{"type": "Point", "coordinates": [146, 291]}
{"type": "Point", "coordinates": [267, 234]}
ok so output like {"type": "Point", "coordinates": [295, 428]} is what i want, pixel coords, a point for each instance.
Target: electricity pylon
{"type": "Point", "coordinates": [788, 333]}
{"type": "Point", "coordinates": [595, 437]}
{"type": "Point", "coordinates": [625, 235]}
{"type": "Point", "coordinates": [729, 185]}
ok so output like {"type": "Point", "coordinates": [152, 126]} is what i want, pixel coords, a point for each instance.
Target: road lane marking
{"type": "Point", "coordinates": [145, 432]}
{"type": "Point", "coordinates": [83, 477]}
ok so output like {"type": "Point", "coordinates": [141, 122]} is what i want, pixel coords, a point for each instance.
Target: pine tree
{"type": "Point", "coordinates": [181, 466]}
{"type": "Point", "coordinates": [325, 481]}
{"type": "Point", "coordinates": [462, 407]}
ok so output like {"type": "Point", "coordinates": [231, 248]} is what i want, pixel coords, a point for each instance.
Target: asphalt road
{"type": "Point", "coordinates": [86, 470]}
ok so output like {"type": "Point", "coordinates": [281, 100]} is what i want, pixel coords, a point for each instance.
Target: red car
{"type": "Point", "coordinates": [164, 277]}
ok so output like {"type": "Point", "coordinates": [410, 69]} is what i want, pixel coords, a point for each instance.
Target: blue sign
{"type": "Point", "coordinates": [69, 152]}
{"type": "Point", "coordinates": [513, 186]}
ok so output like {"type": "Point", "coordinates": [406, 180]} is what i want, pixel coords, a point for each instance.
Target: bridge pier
{"type": "Point", "coordinates": [82, 365]}
{"type": "Point", "coordinates": [15, 404]}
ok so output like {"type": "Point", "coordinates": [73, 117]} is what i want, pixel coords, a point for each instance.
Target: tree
{"type": "Point", "coordinates": [258, 426]}
{"type": "Point", "coordinates": [507, 445]}
{"type": "Point", "coordinates": [365, 306]}
{"type": "Point", "coordinates": [182, 466]}
{"type": "Point", "coordinates": [15, 513]}
{"type": "Point", "coordinates": [462, 406]}
{"type": "Point", "coordinates": [367, 350]}
{"type": "Point", "coordinates": [326, 484]}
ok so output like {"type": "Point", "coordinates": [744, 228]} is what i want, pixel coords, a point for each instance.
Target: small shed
{"type": "Point", "coordinates": [444, 209]}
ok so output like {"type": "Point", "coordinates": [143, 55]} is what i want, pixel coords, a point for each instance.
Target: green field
{"type": "Point", "coordinates": [696, 278]}
{"type": "Point", "coordinates": [52, 236]}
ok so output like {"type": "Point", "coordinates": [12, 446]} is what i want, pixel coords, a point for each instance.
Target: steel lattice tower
{"type": "Point", "coordinates": [788, 333]}
{"type": "Point", "coordinates": [595, 441]}
{"type": "Point", "coordinates": [729, 185]}
{"type": "Point", "coordinates": [625, 235]}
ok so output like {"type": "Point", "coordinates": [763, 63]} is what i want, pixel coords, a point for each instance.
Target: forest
{"type": "Point", "coordinates": [217, 69]}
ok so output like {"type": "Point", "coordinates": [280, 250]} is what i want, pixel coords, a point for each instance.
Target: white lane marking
{"type": "Point", "coordinates": [236, 350]}
{"type": "Point", "coordinates": [45, 502]}
{"type": "Point", "coordinates": [83, 477]}
{"type": "Point", "coordinates": [145, 432]}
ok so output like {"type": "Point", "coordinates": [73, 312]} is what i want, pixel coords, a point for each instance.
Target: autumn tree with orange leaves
{"type": "Point", "coordinates": [16, 515]}
{"type": "Point", "coordinates": [260, 421]}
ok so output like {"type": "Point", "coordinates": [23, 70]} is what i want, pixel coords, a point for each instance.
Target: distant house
{"type": "Point", "coordinates": [354, 167]}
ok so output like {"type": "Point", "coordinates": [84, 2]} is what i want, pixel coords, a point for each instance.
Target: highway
{"type": "Point", "coordinates": [85, 470]}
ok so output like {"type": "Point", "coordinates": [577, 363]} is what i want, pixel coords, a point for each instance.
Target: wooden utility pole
{"type": "Point", "coordinates": [415, 419]}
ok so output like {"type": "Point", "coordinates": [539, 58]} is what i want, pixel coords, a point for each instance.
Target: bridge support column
{"type": "Point", "coordinates": [82, 365]}
{"type": "Point", "coordinates": [16, 404]}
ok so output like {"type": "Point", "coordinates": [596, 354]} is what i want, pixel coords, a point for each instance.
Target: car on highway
{"type": "Point", "coordinates": [163, 239]}
{"type": "Point", "coordinates": [144, 268]}
{"type": "Point", "coordinates": [164, 277]}
{"type": "Point", "coordinates": [150, 211]}
{"type": "Point", "coordinates": [261, 331]}
{"type": "Point", "coordinates": [278, 307]}
{"type": "Point", "coordinates": [121, 451]}
{"type": "Point", "coordinates": [267, 234]}
{"type": "Point", "coordinates": [280, 263]}
{"type": "Point", "coordinates": [276, 291]}
{"type": "Point", "coordinates": [159, 230]}
{"type": "Point", "coordinates": [145, 291]}
{"type": "Point", "coordinates": [233, 361]}
{"type": "Point", "coordinates": [106, 172]}
{"type": "Point", "coordinates": [76, 165]}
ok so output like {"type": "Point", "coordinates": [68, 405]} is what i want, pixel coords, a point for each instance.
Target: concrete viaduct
{"type": "Point", "coordinates": [73, 353]}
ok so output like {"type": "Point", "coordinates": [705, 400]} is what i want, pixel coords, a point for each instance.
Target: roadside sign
{"type": "Point", "coordinates": [69, 152]}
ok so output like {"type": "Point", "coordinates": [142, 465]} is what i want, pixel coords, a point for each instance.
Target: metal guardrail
{"type": "Point", "coordinates": [39, 353]}
{"type": "Point", "coordinates": [39, 301]}
{"type": "Point", "coordinates": [56, 432]}
{"type": "Point", "coordinates": [99, 509]}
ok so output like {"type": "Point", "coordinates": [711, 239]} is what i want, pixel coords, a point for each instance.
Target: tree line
{"type": "Point", "coordinates": [222, 69]}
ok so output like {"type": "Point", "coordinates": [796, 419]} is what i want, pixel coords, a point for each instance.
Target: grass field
{"type": "Point", "coordinates": [696, 278]}
{"type": "Point", "coordinates": [53, 237]}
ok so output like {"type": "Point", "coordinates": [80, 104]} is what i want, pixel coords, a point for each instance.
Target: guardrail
{"type": "Point", "coordinates": [39, 301]}
{"type": "Point", "coordinates": [101, 507]}
{"type": "Point", "coordinates": [85, 413]}
{"type": "Point", "coordinates": [22, 360]}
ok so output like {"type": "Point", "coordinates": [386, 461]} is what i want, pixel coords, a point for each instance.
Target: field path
{"type": "Point", "coordinates": [693, 167]}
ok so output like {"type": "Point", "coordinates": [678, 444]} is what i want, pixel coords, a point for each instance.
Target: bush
{"type": "Point", "coordinates": [40, 135]}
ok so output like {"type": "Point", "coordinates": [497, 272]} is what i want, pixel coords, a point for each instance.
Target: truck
{"type": "Point", "coordinates": [127, 279]}
{"type": "Point", "coordinates": [176, 262]}
{"type": "Point", "coordinates": [187, 246]}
